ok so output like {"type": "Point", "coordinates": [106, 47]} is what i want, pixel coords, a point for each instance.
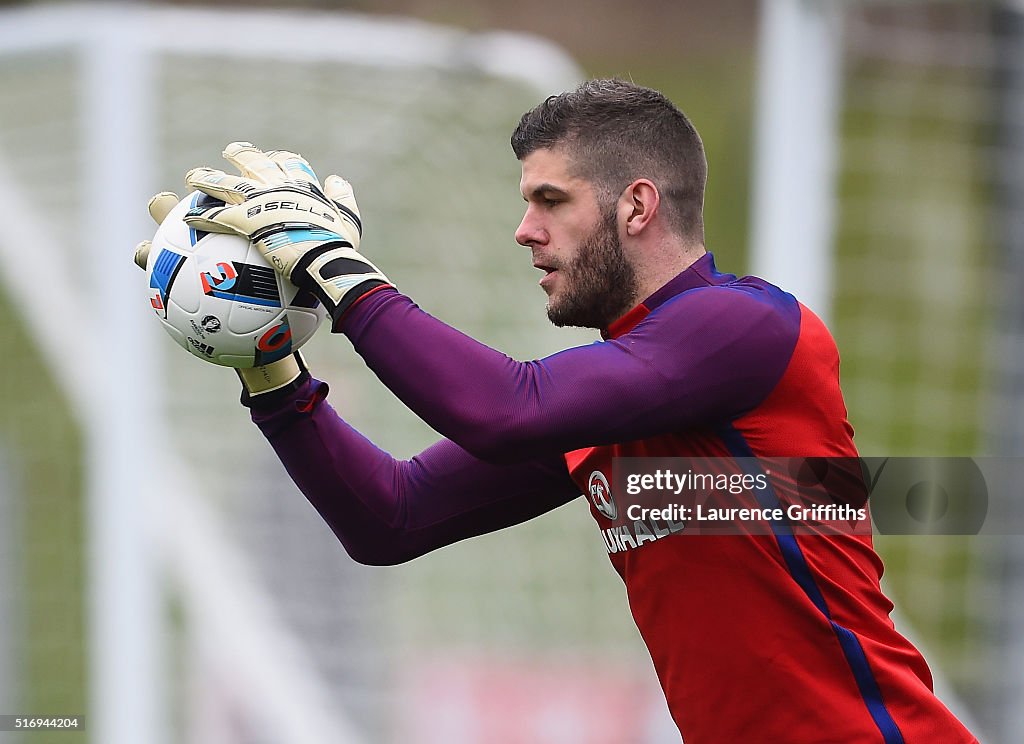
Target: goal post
{"type": "Point", "coordinates": [792, 203]}
{"type": "Point", "coordinates": [126, 642]}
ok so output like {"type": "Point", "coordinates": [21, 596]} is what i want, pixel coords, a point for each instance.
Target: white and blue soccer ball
{"type": "Point", "coordinates": [220, 300]}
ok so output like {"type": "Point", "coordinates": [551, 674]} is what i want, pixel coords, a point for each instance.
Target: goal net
{"type": "Point", "coordinates": [914, 158]}
{"type": "Point", "coordinates": [158, 571]}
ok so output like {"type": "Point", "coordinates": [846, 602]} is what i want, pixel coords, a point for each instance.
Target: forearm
{"type": "Point", "coordinates": [699, 360]}
{"type": "Point", "coordinates": [500, 409]}
{"type": "Point", "coordinates": [387, 511]}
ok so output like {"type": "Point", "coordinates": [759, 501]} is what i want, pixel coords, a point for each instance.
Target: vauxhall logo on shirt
{"type": "Point", "coordinates": [601, 495]}
{"type": "Point", "coordinates": [628, 534]}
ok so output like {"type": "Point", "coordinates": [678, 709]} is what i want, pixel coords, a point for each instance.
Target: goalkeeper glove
{"type": "Point", "coordinates": [159, 206]}
{"type": "Point", "coordinates": [264, 384]}
{"type": "Point", "coordinates": [269, 383]}
{"type": "Point", "coordinates": [308, 234]}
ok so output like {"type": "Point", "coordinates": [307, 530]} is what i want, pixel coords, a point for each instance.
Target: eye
{"type": "Point", "coordinates": [548, 201]}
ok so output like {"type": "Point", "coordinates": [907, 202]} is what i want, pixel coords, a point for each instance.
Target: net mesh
{"type": "Point", "coordinates": [922, 296]}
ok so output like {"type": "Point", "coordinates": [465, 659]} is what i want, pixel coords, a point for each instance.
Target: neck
{"type": "Point", "coordinates": [661, 266]}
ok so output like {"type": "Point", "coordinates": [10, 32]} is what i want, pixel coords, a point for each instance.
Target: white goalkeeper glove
{"type": "Point", "coordinates": [308, 234]}
{"type": "Point", "coordinates": [280, 377]}
{"type": "Point", "coordinates": [159, 206]}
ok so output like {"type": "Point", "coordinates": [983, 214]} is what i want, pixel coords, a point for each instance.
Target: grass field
{"type": "Point", "coordinates": [42, 444]}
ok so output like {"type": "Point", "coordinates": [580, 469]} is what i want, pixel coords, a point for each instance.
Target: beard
{"type": "Point", "coordinates": [600, 285]}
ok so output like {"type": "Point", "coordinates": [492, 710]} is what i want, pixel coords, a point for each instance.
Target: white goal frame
{"type": "Point", "coordinates": [116, 408]}
{"type": "Point", "coordinates": [799, 77]}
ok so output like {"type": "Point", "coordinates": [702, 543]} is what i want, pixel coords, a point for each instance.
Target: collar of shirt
{"type": "Point", "coordinates": [701, 273]}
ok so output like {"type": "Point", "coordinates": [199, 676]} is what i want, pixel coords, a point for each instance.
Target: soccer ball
{"type": "Point", "coordinates": [220, 300]}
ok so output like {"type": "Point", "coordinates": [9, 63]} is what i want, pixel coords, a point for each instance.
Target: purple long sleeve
{"type": "Point", "coordinates": [706, 354]}
{"type": "Point", "coordinates": [387, 511]}
{"type": "Point", "coordinates": [703, 348]}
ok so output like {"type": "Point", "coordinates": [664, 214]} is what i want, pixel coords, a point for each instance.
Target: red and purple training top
{"type": "Point", "coordinates": [754, 637]}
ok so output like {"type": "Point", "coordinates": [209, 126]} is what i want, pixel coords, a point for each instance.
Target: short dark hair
{"type": "Point", "coordinates": [616, 132]}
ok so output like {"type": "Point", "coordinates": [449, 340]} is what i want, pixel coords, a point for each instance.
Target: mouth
{"type": "Point", "coordinates": [549, 273]}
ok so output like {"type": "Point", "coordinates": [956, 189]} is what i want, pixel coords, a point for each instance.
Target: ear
{"type": "Point", "coordinates": [639, 205]}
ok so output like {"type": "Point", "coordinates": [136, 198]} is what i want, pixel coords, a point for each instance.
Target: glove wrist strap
{"type": "Point", "coordinates": [336, 278]}
{"type": "Point", "coordinates": [271, 383]}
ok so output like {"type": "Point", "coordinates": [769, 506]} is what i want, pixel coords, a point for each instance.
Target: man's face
{"type": "Point", "coordinates": [588, 280]}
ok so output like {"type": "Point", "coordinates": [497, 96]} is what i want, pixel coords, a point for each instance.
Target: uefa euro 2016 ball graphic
{"type": "Point", "coordinates": [220, 300]}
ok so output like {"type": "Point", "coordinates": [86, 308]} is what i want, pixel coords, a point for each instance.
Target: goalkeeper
{"type": "Point", "coordinates": [755, 638]}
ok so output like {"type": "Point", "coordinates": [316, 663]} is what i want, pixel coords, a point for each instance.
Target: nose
{"type": "Point", "coordinates": [529, 232]}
